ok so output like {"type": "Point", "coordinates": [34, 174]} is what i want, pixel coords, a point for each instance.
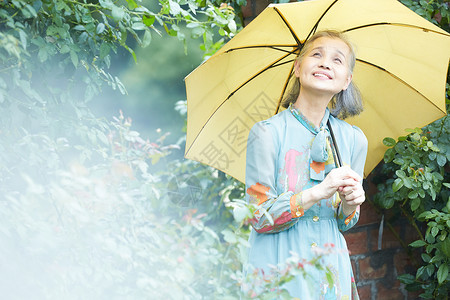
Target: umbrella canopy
{"type": "Point", "coordinates": [401, 70]}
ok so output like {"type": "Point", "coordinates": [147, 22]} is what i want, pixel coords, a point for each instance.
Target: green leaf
{"type": "Point", "coordinates": [415, 203]}
{"type": "Point", "coordinates": [148, 20]}
{"type": "Point", "coordinates": [23, 39]}
{"type": "Point", "coordinates": [229, 236]}
{"type": "Point", "coordinates": [390, 142]}
{"type": "Point", "coordinates": [430, 269]}
{"type": "Point", "coordinates": [100, 28]}
{"type": "Point", "coordinates": [64, 49]}
{"type": "Point", "coordinates": [406, 278]}
{"type": "Point", "coordinates": [418, 243]}
{"type": "Point", "coordinates": [232, 26]}
{"type": "Point", "coordinates": [132, 52]}
{"type": "Point", "coordinates": [104, 50]}
{"type": "Point", "coordinates": [398, 183]}
{"type": "Point", "coordinates": [422, 193]}
{"type": "Point", "coordinates": [175, 8]}
{"type": "Point", "coordinates": [442, 273]}
{"type": "Point", "coordinates": [74, 58]}
{"type": "Point", "coordinates": [407, 182]}
{"type": "Point", "coordinates": [434, 231]}
{"type": "Point", "coordinates": [425, 257]}
{"type": "Point", "coordinates": [79, 28]}
{"type": "Point", "coordinates": [192, 25]}
{"type": "Point", "coordinates": [433, 194]}
{"type": "Point", "coordinates": [424, 215]}
{"type": "Point", "coordinates": [138, 26]}
{"type": "Point", "coordinates": [387, 202]}
{"type": "Point", "coordinates": [445, 247]}
{"type": "Point", "coordinates": [121, 87]}
{"type": "Point", "coordinates": [240, 213]}
{"type": "Point", "coordinates": [147, 39]}
{"type": "Point", "coordinates": [52, 30]}
{"type": "Point", "coordinates": [400, 173]}
{"type": "Point", "coordinates": [389, 155]}
{"type": "Point", "coordinates": [117, 13]}
{"type": "Point", "coordinates": [132, 4]}
{"type": "Point", "coordinates": [106, 4]}
{"type": "Point", "coordinates": [42, 54]}
{"type": "Point", "coordinates": [430, 239]}
{"type": "Point", "coordinates": [420, 272]}
{"type": "Point", "coordinates": [413, 195]}
{"type": "Point", "coordinates": [398, 161]}
{"type": "Point", "coordinates": [441, 160]}
{"type": "Point", "coordinates": [432, 156]}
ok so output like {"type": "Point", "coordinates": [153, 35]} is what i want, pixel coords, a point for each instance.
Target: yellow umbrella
{"type": "Point", "coordinates": [401, 68]}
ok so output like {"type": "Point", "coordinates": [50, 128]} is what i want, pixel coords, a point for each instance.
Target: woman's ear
{"type": "Point", "coordinates": [347, 83]}
{"type": "Point", "coordinates": [297, 68]}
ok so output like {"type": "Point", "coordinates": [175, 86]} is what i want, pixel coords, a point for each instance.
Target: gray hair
{"type": "Point", "coordinates": [344, 104]}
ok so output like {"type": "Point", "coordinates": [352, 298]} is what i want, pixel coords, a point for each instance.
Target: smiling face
{"type": "Point", "coordinates": [325, 67]}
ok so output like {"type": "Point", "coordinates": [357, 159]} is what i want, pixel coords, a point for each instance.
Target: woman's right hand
{"type": "Point", "coordinates": [336, 180]}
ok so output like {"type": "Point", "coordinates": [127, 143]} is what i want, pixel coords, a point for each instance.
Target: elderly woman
{"type": "Point", "coordinates": [291, 173]}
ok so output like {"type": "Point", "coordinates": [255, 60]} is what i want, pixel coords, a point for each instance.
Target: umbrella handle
{"type": "Point", "coordinates": [335, 149]}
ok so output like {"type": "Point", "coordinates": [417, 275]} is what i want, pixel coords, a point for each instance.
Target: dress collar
{"type": "Point", "coordinates": [309, 125]}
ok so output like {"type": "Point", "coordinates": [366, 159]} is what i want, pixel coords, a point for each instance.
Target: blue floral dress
{"type": "Point", "coordinates": [283, 158]}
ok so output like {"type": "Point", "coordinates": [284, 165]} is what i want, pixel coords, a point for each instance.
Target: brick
{"type": "Point", "coordinates": [368, 215]}
{"type": "Point", "coordinates": [368, 270]}
{"type": "Point", "coordinates": [388, 241]}
{"type": "Point", "coordinates": [365, 292]}
{"type": "Point", "coordinates": [393, 293]}
{"type": "Point", "coordinates": [403, 263]}
{"type": "Point", "coordinates": [356, 242]}
{"type": "Point", "coordinates": [414, 295]}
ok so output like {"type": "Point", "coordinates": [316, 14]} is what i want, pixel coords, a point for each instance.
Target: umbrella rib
{"type": "Point", "coordinates": [398, 78]}
{"type": "Point", "coordinates": [313, 30]}
{"type": "Point", "coordinates": [273, 65]}
{"type": "Point", "coordinates": [284, 90]}
{"type": "Point", "coordinates": [299, 43]}
{"type": "Point", "coordinates": [395, 24]}
{"type": "Point", "coordinates": [264, 46]}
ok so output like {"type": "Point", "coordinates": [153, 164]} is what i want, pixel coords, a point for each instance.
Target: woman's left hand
{"type": "Point", "coordinates": [352, 196]}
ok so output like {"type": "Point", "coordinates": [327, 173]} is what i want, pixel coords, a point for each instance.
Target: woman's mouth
{"type": "Point", "coordinates": [322, 75]}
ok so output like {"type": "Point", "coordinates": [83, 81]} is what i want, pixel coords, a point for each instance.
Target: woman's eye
{"type": "Point", "coordinates": [316, 54]}
{"type": "Point", "coordinates": [338, 60]}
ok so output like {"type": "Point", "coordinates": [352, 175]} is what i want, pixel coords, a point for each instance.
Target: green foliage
{"type": "Point", "coordinates": [416, 182]}
{"type": "Point", "coordinates": [89, 208]}
{"type": "Point", "coordinates": [54, 59]}
{"type": "Point", "coordinates": [436, 11]}
{"type": "Point", "coordinates": [103, 231]}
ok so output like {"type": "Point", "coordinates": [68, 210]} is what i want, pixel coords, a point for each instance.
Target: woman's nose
{"type": "Point", "coordinates": [324, 63]}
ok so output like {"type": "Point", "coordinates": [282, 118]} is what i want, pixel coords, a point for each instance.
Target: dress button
{"type": "Point", "coordinates": [298, 214]}
{"type": "Point", "coordinates": [315, 218]}
{"type": "Point", "coordinates": [313, 245]}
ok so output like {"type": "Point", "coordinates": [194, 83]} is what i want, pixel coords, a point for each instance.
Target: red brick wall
{"type": "Point", "coordinates": [376, 269]}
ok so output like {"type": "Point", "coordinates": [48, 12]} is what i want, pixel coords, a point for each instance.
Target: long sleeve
{"type": "Point", "coordinates": [358, 159]}
{"type": "Point", "coordinates": [261, 175]}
